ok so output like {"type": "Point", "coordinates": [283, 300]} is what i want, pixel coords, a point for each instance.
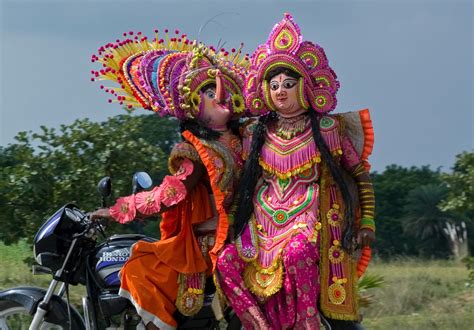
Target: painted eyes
{"type": "Point", "coordinates": [287, 84]}
{"type": "Point", "coordinates": [210, 93]}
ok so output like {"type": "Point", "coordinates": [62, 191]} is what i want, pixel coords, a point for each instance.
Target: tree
{"type": "Point", "coordinates": [43, 171]}
{"type": "Point", "coordinates": [460, 197]}
{"type": "Point", "coordinates": [391, 190]}
{"type": "Point", "coordinates": [433, 228]}
{"type": "Point", "coordinates": [461, 185]}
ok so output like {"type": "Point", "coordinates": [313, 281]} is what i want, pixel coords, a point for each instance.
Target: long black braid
{"type": "Point", "coordinates": [251, 174]}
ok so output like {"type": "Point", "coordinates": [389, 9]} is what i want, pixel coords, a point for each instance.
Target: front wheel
{"type": "Point", "coordinates": [15, 316]}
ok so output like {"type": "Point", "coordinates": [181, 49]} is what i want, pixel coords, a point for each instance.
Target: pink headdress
{"type": "Point", "coordinates": [285, 47]}
{"type": "Point", "coordinates": [167, 76]}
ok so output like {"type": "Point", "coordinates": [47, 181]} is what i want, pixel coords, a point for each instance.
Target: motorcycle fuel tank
{"type": "Point", "coordinates": [112, 255]}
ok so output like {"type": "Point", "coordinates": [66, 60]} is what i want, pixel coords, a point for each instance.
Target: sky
{"type": "Point", "coordinates": [409, 62]}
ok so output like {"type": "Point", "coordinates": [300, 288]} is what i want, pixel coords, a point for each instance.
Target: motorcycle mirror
{"type": "Point", "coordinates": [141, 181]}
{"type": "Point", "coordinates": [104, 187]}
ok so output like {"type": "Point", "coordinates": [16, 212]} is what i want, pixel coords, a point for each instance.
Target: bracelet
{"type": "Point", "coordinates": [367, 223]}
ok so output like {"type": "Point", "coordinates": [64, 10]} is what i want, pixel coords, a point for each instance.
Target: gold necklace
{"type": "Point", "coordinates": [288, 128]}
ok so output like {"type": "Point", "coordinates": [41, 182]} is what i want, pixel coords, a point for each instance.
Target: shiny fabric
{"type": "Point", "coordinates": [294, 306]}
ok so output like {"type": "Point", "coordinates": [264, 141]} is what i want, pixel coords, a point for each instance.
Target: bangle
{"type": "Point", "coordinates": [367, 223]}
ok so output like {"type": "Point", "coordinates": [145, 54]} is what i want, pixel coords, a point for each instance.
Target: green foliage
{"type": "Point", "coordinates": [45, 170]}
{"type": "Point", "coordinates": [460, 197]}
{"type": "Point", "coordinates": [391, 191]}
{"type": "Point", "coordinates": [425, 221]}
{"type": "Point", "coordinates": [420, 294]}
{"type": "Point", "coordinates": [469, 262]}
{"type": "Point", "coordinates": [365, 286]}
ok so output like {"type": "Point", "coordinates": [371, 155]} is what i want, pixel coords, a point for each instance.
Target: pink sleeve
{"type": "Point", "coordinates": [148, 202]}
{"type": "Point", "coordinates": [124, 210]}
{"type": "Point", "coordinates": [185, 169]}
{"type": "Point", "coordinates": [173, 191]}
{"type": "Point", "coordinates": [169, 193]}
{"type": "Point", "coordinates": [349, 157]}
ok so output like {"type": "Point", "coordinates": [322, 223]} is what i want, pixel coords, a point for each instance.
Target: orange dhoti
{"type": "Point", "coordinates": [149, 279]}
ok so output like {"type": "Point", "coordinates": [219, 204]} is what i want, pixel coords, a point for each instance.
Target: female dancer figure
{"type": "Point", "coordinates": [305, 194]}
{"type": "Point", "coordinates": [203, 90]}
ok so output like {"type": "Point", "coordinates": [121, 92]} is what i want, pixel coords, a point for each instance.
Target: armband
{"type": "Point", "coordinates": [366, 197]}
{"type": "Point", "coordinates": [367, 223]}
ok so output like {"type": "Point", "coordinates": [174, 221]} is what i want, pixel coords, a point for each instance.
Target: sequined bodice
{"type": "Point", "coordinates": [286, 196]}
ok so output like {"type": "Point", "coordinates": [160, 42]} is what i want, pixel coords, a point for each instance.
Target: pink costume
{"type": "Point", "coordinates": [289, 258]}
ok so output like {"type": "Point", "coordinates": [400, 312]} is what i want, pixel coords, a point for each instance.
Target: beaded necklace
{"type": "Point", "coordinates": [288, 128]}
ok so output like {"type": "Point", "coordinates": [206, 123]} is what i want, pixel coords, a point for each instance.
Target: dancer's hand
{"type": "Point", "coordinates": [365, 237]}
{"type": "Point", "coordinates": [103, 213]}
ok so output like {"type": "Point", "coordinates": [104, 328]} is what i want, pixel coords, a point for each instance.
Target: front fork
{"type": "Point", "coordinates": [44, 305]}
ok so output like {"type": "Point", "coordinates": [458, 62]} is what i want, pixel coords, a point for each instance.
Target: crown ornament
{"type": "Point", "coordinates": [166, 75]}
{"type": "Point", "coordinates": [286, 48]}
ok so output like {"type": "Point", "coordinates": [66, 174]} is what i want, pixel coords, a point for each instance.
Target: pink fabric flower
{"type": "Point", "coordinates": [124, 209]}
{"type": "Point", "coordinates": [185, 169]}
{"type": "Point", "coordinates": [173, 191]}
{"type": "Point", "coordinates": [148, 202]}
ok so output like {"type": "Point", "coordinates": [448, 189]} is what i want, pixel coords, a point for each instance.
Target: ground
{"type": "Point", "coordinates": [417, 294]}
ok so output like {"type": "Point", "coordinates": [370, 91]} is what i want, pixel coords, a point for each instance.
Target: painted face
{"type": "Point", "coordinates": [284, 94]}
{"type": "Point", "coordinates": [212, 113]}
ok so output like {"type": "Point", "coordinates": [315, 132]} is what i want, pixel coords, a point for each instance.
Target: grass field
{"type": "Point", "coordinates": [417, 294]}
{"type": "Point", "coordinates": [421, 294]}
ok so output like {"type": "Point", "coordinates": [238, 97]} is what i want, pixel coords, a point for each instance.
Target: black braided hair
{"type": "Point", "coordinates": [198, 129]}
{"type": "Point", "coordinates": [336, 172]}
{"type": "Point", "coordinates": [251, 174]}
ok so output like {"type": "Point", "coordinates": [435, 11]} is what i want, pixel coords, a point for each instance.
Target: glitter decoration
{"type": "Point", "coordinates": [336, 293]}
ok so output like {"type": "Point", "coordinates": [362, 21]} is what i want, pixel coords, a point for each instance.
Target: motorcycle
{"type": "Point", "coordinates": [67, 246]}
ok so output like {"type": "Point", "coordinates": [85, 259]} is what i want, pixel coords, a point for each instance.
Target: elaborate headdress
{"type": "Point", "coordinates": [285, 47]}
{"type": "Point", "coordinates": [167, 76]}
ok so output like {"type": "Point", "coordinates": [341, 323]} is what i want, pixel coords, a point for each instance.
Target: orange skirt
{"type": "Point", "coordinates": [151, 286]}
{"type": "Point", "coordinates": [149, 279]}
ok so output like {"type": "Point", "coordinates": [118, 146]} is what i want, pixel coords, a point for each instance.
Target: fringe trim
{"type": "Point", "coordinates": [333, 140]}
{"type": "Point", "coordinates": [340, 316]}
{"type": "Point", "coordinates": [223, 221]}
{"type": "Point", "coordinates": [251, 273]}
{"type": "Point", "coordinates": [292, 172]}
